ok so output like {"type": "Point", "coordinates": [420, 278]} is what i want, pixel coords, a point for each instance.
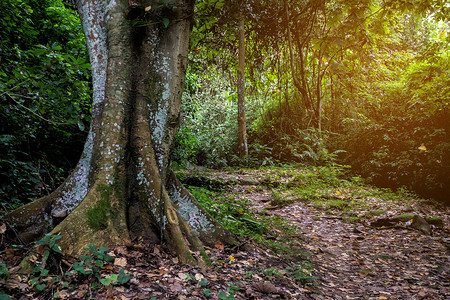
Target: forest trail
{"type": "Point", "coordinates": [354, 260]}
{"type": "Point", "coordinates": [346, 246]}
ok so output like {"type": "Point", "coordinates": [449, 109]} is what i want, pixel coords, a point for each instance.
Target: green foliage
{"type": "Point", "coordinates": [310, 146]}
{"type": "Point", "coordinates": [51, 253]}
{"type": "Point", "coordinates": [44, 97]}
{"type": "Point", "coordinates": [203, 282]}
{"type": "Point", "coordinates": [4, 297]}
{"type": "Point", "coordinates": [381, 73]}
{"type": "Point", "coordinates": [208, 132]}
{"type": "Point", "coordinates": [405, 141]}
{"type": "Point", "coordinates": [4, 273]}
{"type": "Point", "coordinates": [302, 272]}
{"type": "Point", "coordinates": [232, 213]}
{"type": "Point", "coordinates": [49, 241]}
{"type": "Point", "coordinates": [90, 266]}
{"type": "Point", "coordinates": [235, 215]}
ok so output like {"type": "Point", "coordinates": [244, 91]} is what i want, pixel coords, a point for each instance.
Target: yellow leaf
{"type": "Point", "coordinates": [382, 297]}
{"type": "Point", "coordinates": [339, 193]}
{"type": "Point", "coordinates": [231, 258]}
{"type": "Point", "coordinates": [422, 148]}
{"type": "Point", "coordinates": [148, 8]}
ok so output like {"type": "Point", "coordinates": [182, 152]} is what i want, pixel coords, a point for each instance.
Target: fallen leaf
{"type": "Point", "coordinates": [219, 245]}
{"type": "Point", "coordinates": [108, 267]}
{"type": "Point", "coordinates": [41, 248]}
{"type": "Point", "coordinates": [266, 287]}
{"type": "Point", "coordinates": [3, 228]}
{"type": "Point", "coordinates": [121, 262]}
{"type": "Point", "coordinates": [176, 288]}
{"type": "Point", "coordinates": [64, 294]}
{"type": "Point", "coordinates": [14, 269]}
{"type": "Point", "coordinates": [422, 293]}
{"type": "Point", "coordinates": [198, 277]}
{"type": "Point", "coordinates": [382, 298]}
{"type": "Point", "coordinates": [422, 148]}
{"type": "Point", "coordinates": [9, 252]}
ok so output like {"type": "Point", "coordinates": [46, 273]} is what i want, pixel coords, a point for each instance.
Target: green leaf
{"type": "Point", "coordinates": [46, 254]}
{"type": "Point", "coordinates": [166, 22]}
{"type": "Point", "coordinates": [106, 281]}
{"type": "Point", "coordinates": [99, 263]}
{"type": "Point", "coordinates": [103, 249]}
{"type": "Point", "coordinates": [207, 292]}
{"type": "Point", "coordinates": [44, 272]}
{"type": "Point", "coordinates": [91, 248]}
{"type": "Point", "coordinates": [40, 287]}
{"type": "Point", "coordinates": [38, 51]}
{"type": "Point", "coordinates": [203, 282]}
{"type": "Point", "coordinates": [224, 296]}
{"type": "Point", "coordinates": [4, 297]}
{"type": "Point", "coordinates": [57, 249]}
{"type": "Point", "coordinates": [122, 277]}
{"type": "Point", "coordinates": [56, 47]}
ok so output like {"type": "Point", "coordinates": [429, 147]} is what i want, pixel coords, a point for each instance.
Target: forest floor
{"type": "Point", "coordinates": [351, 241]}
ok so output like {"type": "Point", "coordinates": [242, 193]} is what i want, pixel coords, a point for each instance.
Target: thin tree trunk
{"type": "Point", "coordinates": [242, 126]}
{"type": "Point", "coordinates": [319, 93]}
{"type": "Point", "coordinates": [300, 85]}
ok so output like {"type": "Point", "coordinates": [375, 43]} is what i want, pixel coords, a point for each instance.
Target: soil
{"type": "Point", "coordinates": [351, 260]}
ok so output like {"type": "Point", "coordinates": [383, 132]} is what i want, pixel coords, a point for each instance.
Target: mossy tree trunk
{"type": "Point", "coordinates": [123, 184]}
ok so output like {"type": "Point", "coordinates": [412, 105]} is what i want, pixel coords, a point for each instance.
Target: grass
{"type": "Point", "coordinates": [326, 188]}
{"type": "Point", "coordinates": [236, 216]}
{"type": "Point", "coordinates": [330, 189]}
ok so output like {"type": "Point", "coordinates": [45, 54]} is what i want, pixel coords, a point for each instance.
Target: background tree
{"type": "Point", "coordinates": [242, 124]}
{"type": "Point", "coordinates": [360, 54]}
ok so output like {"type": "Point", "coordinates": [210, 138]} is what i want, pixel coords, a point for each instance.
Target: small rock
{"type": "Point", "coordinates": [420, 224]}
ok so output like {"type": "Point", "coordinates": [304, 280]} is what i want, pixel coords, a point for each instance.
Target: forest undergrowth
{"type": "Point", "coordinates": [304, 233]}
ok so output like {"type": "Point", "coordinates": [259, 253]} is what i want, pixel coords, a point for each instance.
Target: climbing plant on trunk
{"type": "Point", "coordinates": [123, 183]}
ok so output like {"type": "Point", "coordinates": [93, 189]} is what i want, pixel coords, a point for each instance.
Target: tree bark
{"type": "Point", "coordinates": [123, 184]}
{"type": "Point", "coordinates": [242, 124]}
{"type": "Point", "coordinates": [300, 85]}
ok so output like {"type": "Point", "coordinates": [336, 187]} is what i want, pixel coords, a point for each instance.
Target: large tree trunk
{"type": "Point", "coordinates": [123, 184]}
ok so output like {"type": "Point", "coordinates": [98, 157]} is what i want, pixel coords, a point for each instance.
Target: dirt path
{"type": "Point", "coordinates": [351, 260]}
{"type": "Point", "coordinates": [354, 261]}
